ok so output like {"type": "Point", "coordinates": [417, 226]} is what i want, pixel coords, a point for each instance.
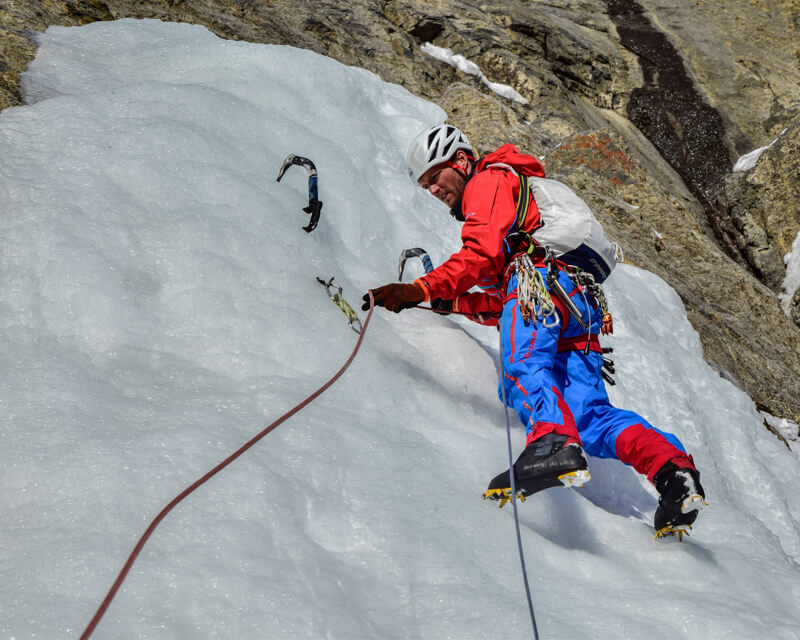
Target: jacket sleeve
{"type": "Point", "coordinates": [489, 205]}
{"type": "Point", "coordinates": [479, 307]}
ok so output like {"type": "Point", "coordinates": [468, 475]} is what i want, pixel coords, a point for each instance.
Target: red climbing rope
{"type": "Point", "coordinates": [442, 312]}
{"type": "Point", "coordinates": [139, 545]}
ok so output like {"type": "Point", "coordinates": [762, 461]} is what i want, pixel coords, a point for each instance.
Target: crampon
{"type": "Point", "coordinates": [571, 479]}
{"type": "Point", "coordinates": [691, 507]}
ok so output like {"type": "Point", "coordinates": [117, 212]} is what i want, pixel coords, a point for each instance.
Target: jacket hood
{"type": "Point", "coordinates": [508, 154]}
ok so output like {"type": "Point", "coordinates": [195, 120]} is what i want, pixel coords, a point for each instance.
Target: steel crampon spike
{"type": "Point", "coordinates": [679, 530]}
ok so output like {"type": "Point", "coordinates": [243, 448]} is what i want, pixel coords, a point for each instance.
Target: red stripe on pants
{"type": "Point", "coordinates": [646, 450]}
{"type": "Point", "coordinates": [568, 428]}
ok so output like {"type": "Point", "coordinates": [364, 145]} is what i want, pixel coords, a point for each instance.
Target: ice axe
{"type": "Point", "coordinates": [314, 204]}
{"type": "Point", "coordinates": [414, 253]}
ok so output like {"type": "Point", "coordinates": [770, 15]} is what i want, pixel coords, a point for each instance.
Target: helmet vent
{"type": "Point", "coordinates": [435, 146]}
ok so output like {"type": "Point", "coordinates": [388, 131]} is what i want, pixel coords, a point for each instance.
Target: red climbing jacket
{"type": "Point", "coordinates": [489, 206]}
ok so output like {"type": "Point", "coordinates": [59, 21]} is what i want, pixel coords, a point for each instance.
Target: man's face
{"type": "Point", "coordinates": [444, 182]}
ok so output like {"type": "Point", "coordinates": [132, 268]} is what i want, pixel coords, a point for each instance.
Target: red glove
{"type": "Point", "coordinates": [396, 297]}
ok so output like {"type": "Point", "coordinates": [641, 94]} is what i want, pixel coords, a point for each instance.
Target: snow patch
{"type": "Point", "coordinates": [749, 160]}
{"type": "Point", "coordinates": [465, 66]}
{"type": "Point", "coordinates": [788, 429]}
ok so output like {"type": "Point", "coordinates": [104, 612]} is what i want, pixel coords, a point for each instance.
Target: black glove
{"type": "Point", "coordinates": [442, 306]}
{"type": "Point", "coordinates": [396, 297]}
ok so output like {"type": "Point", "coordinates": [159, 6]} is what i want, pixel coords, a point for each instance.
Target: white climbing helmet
{"type": "Point", "coordinates": [434, 146]}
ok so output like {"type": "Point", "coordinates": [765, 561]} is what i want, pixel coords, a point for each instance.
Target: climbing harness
{"type": "Point", "coordinates": [532, 294]}
{"type": "Point", "coordinates": [416, 252]}
{"type": "Point", "coordinates": [535, 300]}
{"type": "Point", "coordinates": [314, 204]}
{"type": "Point", "coordinates": [335, 294]}
{"type": "Point", "coordinates": [191, 488]}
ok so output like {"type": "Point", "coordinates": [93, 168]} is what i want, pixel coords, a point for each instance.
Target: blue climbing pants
{"type": "Point", "coordinates": [552, 378]}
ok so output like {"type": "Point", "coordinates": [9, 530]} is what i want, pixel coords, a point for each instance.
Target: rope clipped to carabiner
{"type": "Point", "coordinates": [335, 294]}
{"type": "Point", "coordinates": [534, 298]}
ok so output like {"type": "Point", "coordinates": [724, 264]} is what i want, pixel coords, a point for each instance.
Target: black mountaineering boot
{"type": "Point", "coordinates": [681, 499]}
{"type": "Point", "coordinates": [546, 462]}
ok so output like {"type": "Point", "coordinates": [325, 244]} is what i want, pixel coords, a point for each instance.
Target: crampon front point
{"type": "Point", "coordinates": [694, 502]}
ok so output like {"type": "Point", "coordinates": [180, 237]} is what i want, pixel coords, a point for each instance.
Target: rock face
{"type": "Point", "coordinates": [765, 206]}
{"type": "Point", "coordinates": [794, 307]}
{"type": "Point", "coordinates": [642, 106]}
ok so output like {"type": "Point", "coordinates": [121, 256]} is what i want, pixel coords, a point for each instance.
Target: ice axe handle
{"type": "Point", "coordinates": [314, 208]}
{"type": "Point", "coordinates": [427, 263]}
{"type": "Point", "coordinates": [416, 252]}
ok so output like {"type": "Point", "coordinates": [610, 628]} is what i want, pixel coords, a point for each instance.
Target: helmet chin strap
{"type": "Point", "coordinates": [459, 168]}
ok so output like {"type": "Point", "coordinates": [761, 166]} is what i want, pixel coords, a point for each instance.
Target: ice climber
{"type": "Point", "coordinates": [552, 371]}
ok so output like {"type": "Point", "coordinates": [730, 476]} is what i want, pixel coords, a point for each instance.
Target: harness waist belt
{"type": "Point", "coordinates": [578, 343]}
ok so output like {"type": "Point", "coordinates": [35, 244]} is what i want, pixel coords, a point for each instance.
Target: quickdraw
{"type": "Point", "coordinates": [335, 294]}
{"type": "Point", "coordinates": [314, 204]}
{"type": "Point", "coordinates": [532, 294]}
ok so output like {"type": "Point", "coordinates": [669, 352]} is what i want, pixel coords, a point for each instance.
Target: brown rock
{"type": "Point", "coordinates": [764, 204]}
